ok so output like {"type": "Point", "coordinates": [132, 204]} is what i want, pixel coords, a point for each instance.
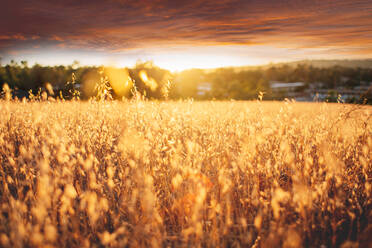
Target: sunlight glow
{"type": "Point", "coordinates": [150, 82]}
{"type": "Point", "coordinates": [187, 61]}
{"type": "Point", "coordinates": [179, 58]}
{"type": "Point", "coordinates": [120, 80]}
{"type": "Point", "coordinates": [202, 57]}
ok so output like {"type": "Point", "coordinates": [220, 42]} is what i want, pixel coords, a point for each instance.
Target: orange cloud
{"type": "Point", "coordinates": [13, 37]}
{"type": "Point", "coordinates": [119, 25]}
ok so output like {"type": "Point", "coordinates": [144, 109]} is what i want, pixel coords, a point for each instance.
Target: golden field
{"type": "Point", "coordinates": [185, 174]}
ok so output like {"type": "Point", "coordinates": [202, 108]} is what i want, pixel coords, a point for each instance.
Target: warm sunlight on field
{"type": "Point", "coordinates": [191, 174]}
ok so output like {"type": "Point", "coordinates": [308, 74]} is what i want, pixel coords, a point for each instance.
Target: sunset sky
{"type": "Point", "coordinates": [184, 34]}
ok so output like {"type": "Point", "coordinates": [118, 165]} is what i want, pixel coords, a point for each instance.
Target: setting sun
{"type": "Point", "coordinates": [202, 57]}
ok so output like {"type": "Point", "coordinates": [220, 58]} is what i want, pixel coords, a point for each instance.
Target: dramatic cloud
{"type": "Point", "coordinates": [121, 25]}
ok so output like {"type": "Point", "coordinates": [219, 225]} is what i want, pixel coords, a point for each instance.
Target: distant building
{"type": "Point", "coordinates": [290, 90]}
{"type": "Point", "coordinates": [203, 88]}
{"type": "Point", "coordinates": [277, 87]}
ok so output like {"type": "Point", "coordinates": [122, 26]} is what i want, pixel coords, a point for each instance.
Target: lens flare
{"type": "Point", "coordinates": [89, 80]}
{"type": "Point", "coordinates": [120, 80]}
{"type": "Point", "coordinates": [149, 82]}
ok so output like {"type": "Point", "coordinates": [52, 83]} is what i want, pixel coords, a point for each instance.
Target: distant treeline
{"type": "Point", "coordinates": [157, 83]}
{"type": "Point", "coordinates": [245, 84]}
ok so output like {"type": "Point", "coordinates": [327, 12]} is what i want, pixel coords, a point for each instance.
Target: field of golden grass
{"type": "Point", "coordinates": [189, 174]}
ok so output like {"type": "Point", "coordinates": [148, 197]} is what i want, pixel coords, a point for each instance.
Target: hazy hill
{"type": "Point", "coordinates": [321, 63]}
{"type": "Point", "coordinates": [362, 63]}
